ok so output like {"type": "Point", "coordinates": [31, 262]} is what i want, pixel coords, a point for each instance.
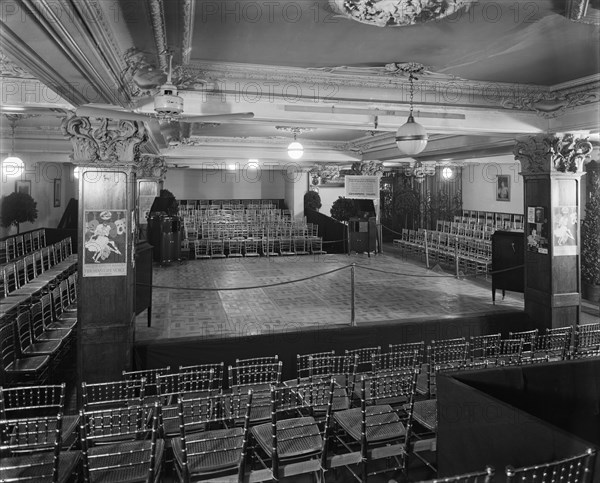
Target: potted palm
{"type": "Point", "coordinates": [590, 240]}
{"type": "Point", "coordinates": [18, 208]}
{"type": "Point", "coordinates": [343, 209]}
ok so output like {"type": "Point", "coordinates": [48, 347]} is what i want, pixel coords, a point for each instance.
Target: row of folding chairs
{"type": "Point", "coordinates": [465, 229]}
{"type": "Point", "coordinates": [216, 440]}
{"type": "Point", "coordinates": [16, 246]}
{"type": "Point", "coordinates": [471, 254]}
{"type": "Point", "coordinates": [256, 247]}
{"type": "Point", "coordinates": [40, 335]}
{"type": "Point", "coordinates": [574, 469]}
{"type": "Point", "coordinates": [196, 204]}
{"type": "Point", "coordinates": [23, 272]}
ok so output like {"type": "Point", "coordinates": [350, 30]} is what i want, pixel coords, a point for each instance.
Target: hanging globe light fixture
{"type": "Point", "coordinates": [295, 149]}
{"type": "Point", "coordinates": [12, 165]}
{"type": "Point", "coordinates": [411, 138]}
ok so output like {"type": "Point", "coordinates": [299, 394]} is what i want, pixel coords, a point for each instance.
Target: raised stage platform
{"type": "Point", "coordinates": [395, 301]}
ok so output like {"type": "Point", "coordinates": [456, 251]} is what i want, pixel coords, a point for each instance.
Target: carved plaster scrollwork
{"type": "Point", "coordinates": [151, 166]}
{"type": "Point", "coordinates": [550, 104]}
{"type": "Point", "coordinates": [104, 145]}
{"type": "Point", "coordinates": [367, 168]}
{"type": "Point", "coordinates": [552, 153]}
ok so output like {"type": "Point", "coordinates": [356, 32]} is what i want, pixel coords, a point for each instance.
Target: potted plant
{"type": "Point", "coordinates": [343, 209]}
{"type": "Point", "coordinates": [590, 240]}
{"type": "Point", "coordinates": [312, 201]}
{"type": "Point", "coordinates": [18, 208]}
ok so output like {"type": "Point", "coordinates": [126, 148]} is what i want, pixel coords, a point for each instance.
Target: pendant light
{"type": "Point", "coordinates": [12, 166]}
{"type": "Point", "coordinates": [295, 149]}
{"type": "Point", "coordinates": [411, 138]}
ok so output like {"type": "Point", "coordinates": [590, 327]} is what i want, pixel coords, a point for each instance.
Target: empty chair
{"type": "Point", "coordinates": [485, 476]}
{"type": "Point", "coordinates": [343, 371]}
{"type": "Point", "coordinates": [118, 445]}
{"type": "Point", "coordinates": [395, 361]}
{"type": "Point", "coordinates": [50, 308]}
{"type": "Point", "coordinates": [38, 401]}
{"type": "Point", "coordinates": [316, 245]}
{"type": "Point", "coordinates": [31, 451]}
{"type": "Point", "coordinates": [286, 246]}
{"type": "Point", "coordinates": [291, 443]}
{"type": "Point", "coordinates": [484, 347]}
{"type": "Point", "coordinates": [555, 344]}
{"type": "Point", "coordinates": [587, 340]}
{"type": "Point", "coordinates": [251, 246]}
{"type": "Point", "coordinates": [577, 469]}
{"type": "Point", "coordinates": [202, 248]}
{"type": "Point", "coordinates": [235, 247]}
{"type": "Point", "coordinates": [217, 248]}
{"type": "Point", "coordinates": [14, 368]}
{"type": "Point", "coordinates": [219, 449]}
{"type": "Point", "coordinates": [218, 369]}
{"type": "Point", "coordinates": [528, 337]}
{"type": "Point", "coordinates": [299, 243]}
{"type": "Point", "coordinates": [375, 430]}
{"type": "Point", "coordinates": [365, 357]}
{"type": "Point", "coordinates": [150, 377]}
{"type": "Point", "coordinates": [112, 394]}
{"type": "Point", "coordinates": [303, 364]}
{"type": "Point", "coordinates": [28, 346]}
{"type": "Point", "coordinates": [510, 352]}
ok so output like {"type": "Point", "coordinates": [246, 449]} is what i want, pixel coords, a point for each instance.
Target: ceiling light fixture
{"type": "Point", "coordinates": [295, 149]}
{"type": "Point", "coordinates": [12, 166]}
{"type": "Point", "coordinates": [411, 138]}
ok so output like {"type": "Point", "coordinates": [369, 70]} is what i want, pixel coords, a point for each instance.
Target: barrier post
{"type": "Point", "coordinates": [456, 260]}
{"type": "Point", "coordinates": [352, 292]}
{"type": "Point", "coordinates": [426, 251]}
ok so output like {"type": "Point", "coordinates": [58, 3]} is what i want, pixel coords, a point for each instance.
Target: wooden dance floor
{"type": "Point", "coordinates": [387, 289]}
{"type": "Point", "coordinates": [395, 301]}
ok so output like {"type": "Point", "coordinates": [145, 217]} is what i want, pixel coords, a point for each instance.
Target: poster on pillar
{"type": "Point", "coordinates": [564, 230]}
{"type": "Point", "coordinates": [105, 243]}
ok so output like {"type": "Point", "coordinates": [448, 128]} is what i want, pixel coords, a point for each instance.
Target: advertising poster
{"type": "Point", "coordinates": [564, 230]}
{"type": "Point", "coordinates": [537, 238]}
{"type": "Point", "coordinates": [362, 187]}
{"type": "Point", "coordinates": [105, 243]}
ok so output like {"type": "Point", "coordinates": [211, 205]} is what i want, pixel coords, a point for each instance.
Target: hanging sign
{"type": "Point", "coordinates": [362, 187]}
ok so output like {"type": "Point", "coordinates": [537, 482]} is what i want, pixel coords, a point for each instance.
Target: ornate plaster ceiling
{"type": "Point", "coordinates": [493, 72]}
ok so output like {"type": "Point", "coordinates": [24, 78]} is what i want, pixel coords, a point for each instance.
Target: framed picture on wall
{"type": "Point", "coordinates": [23, 186]}
{"type": "Point", "coordinates": [57, 192]}
{"type": "Point", "coordinates": [503, 187]}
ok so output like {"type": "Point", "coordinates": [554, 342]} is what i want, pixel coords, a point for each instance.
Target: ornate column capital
{"type": "Point", "coordinates": [552, 153]}
{"type": "Point", "coordinates": [151, 166]}
{"type": "Point", "coordinates": [103, 145]}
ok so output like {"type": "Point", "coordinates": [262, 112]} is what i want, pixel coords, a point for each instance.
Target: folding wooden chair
{"type": "Point", "coordinates": [30, 450]}
{"type": "Point", "coordinates": [291, 444]}
{"type": "Point", "coordinates": [119, 446]}
{"type": "Point", "coordinates": [577, 469]}
{"type": "Point", "coordinates": [209, 445]}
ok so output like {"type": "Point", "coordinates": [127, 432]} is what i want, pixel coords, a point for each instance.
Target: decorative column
{"type": "Point", "coordinates": [106, 154]}
{"type": "Point", "coordinates": [150, 174]}
{"type": "Point", "coordinates": [552, 166]}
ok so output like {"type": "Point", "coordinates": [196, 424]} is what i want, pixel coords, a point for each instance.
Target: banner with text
{"type": "Point", "coordinates": [362, 187]}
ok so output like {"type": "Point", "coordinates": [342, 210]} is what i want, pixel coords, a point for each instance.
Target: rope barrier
{"type": "Point", "coordinates": [212, 289]}
{"type": "Point", "coordinates": [516, 267]}
{"type": "Point", "coordinates": [389, 229]}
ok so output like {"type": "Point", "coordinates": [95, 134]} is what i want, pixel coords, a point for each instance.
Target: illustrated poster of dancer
{"type": "Point", "coordinates": [105, 243]}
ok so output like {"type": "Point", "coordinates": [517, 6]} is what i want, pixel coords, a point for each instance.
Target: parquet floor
{"type": "Point", "coordinates": [187, 304]}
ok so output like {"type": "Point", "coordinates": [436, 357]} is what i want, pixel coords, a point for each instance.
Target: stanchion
{"type": "Point", "coordinates": [456, 260]}
{"type": "Point", "coordinates": [352, 291]}
{"type": "Point", "coordinates": [426, 250]}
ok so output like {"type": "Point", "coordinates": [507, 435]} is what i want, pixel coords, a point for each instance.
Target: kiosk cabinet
{"type": "Point", "coordinates": [362, 234]}
{"type": "Point", "coordinates": [508, 254]}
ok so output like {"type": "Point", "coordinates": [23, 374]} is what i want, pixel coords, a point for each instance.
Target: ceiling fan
{"type": "Point", "coordinates": [168, 105]}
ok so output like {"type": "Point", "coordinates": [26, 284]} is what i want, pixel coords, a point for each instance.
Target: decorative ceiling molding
{"type": "Point", "coordinates": [393, 69]}
{"type": "Point", "coordinates": [188, 12]}
{"type": "Point", "coordinates": [157, 17]}
{"type": "Point", "coordinates": [397, 13]}
{"type": "Point", "coordinates": [278, 82]}
{"type": "Point", "coordinates": [9, 69]}
{"type": "Point", "coordinates": [295, 130]}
